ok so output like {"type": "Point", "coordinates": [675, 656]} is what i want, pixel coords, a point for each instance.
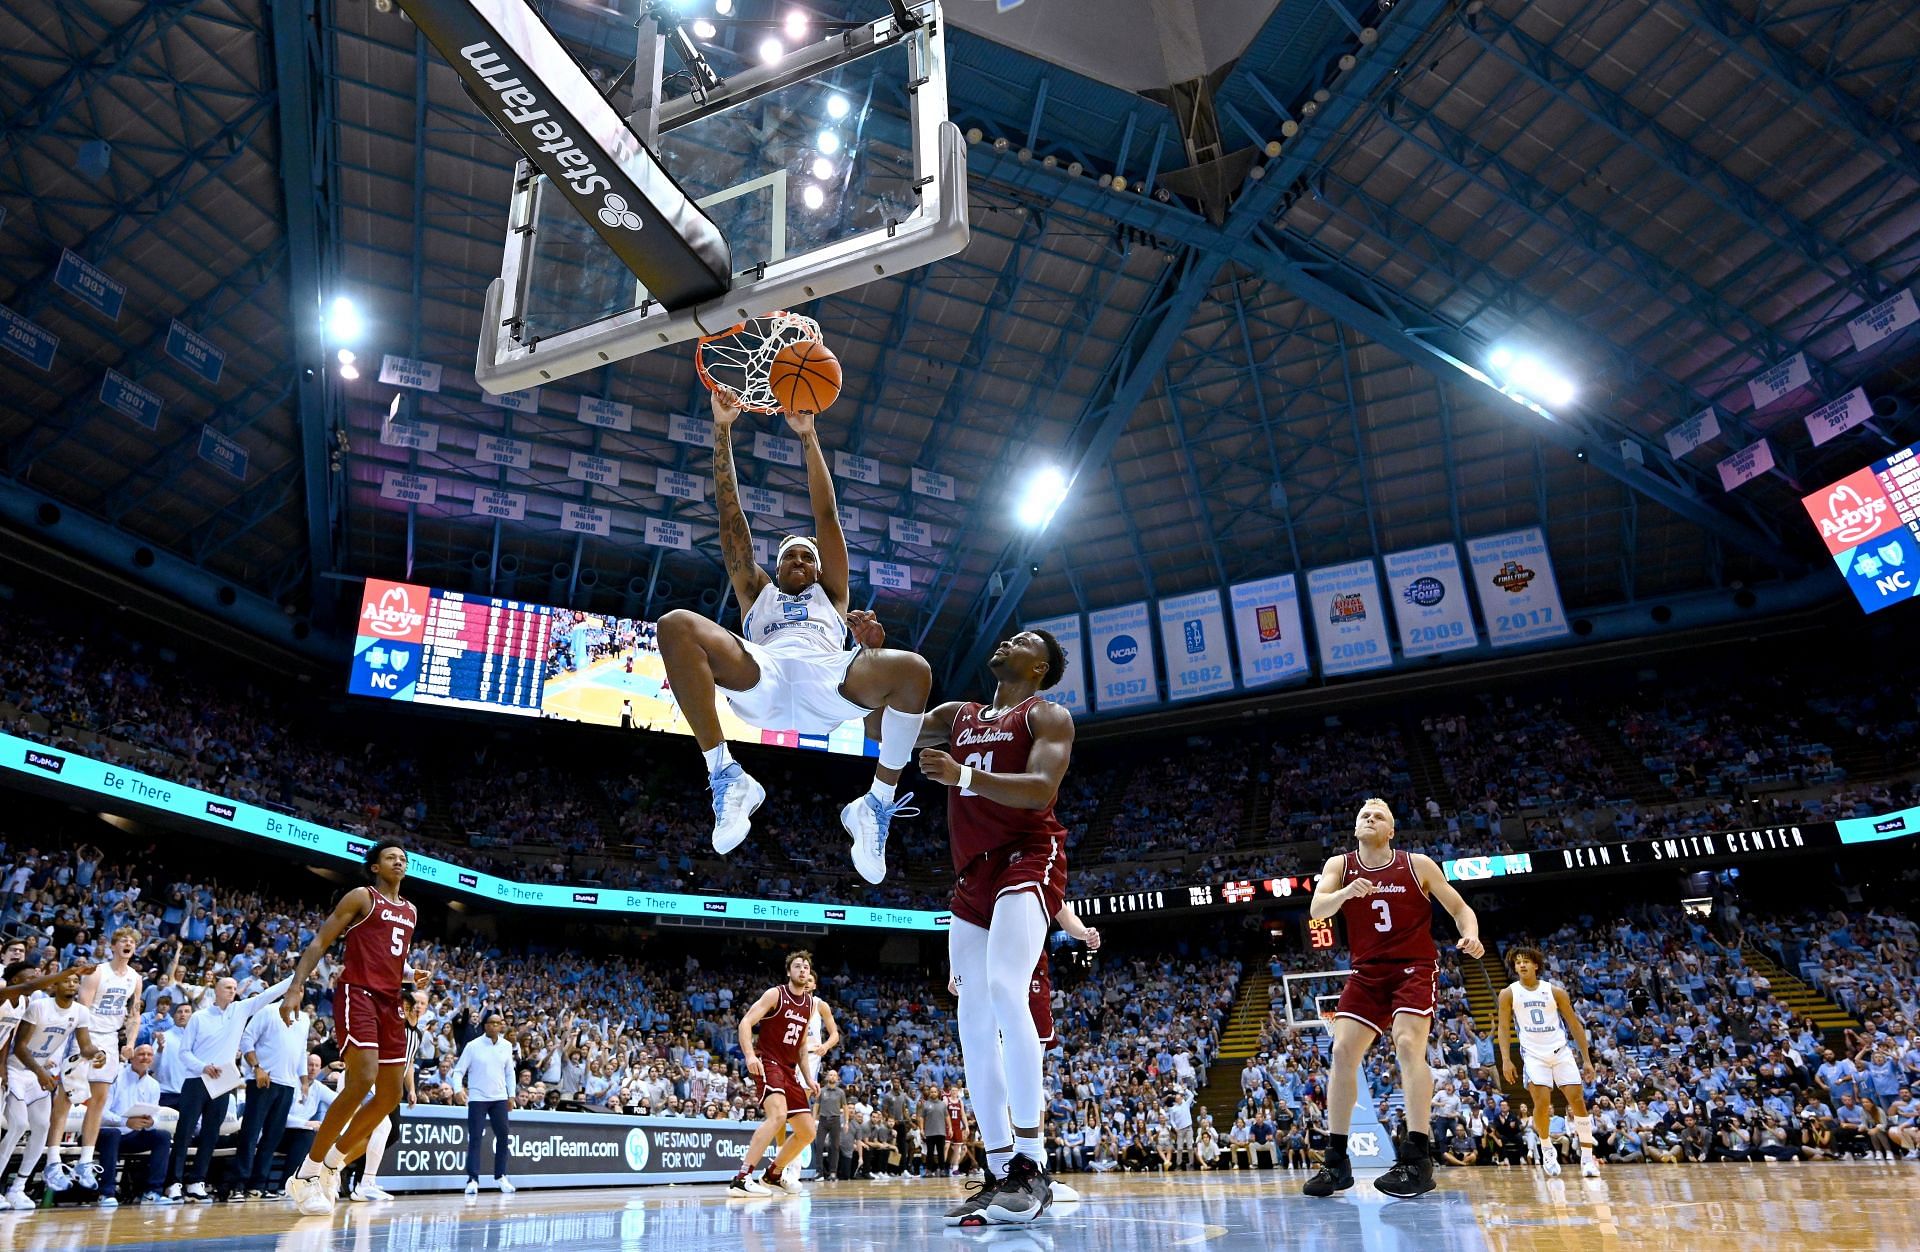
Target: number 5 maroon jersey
{"type": "Point", "coordinates": [377, 944]}
{"type": "Point", "coordinates": [994, 745]}
{"type": "Point", "coordinates": [1395, 923]}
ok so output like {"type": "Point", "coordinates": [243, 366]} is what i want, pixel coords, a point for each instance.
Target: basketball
{"type": "Point", "coordinates": [805, 377]}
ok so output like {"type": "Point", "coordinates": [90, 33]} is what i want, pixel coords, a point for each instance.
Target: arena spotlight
{"type": "Point", "coordinates": [838, 107]}
{"type": "Point", "coordinates": [796, 25]}
{"type": "Point", "coordinates": [827, 142]}
{"type": "Point", "coordinates": [1529, 376]}
{"type": "Point", "coordinates": [703, 29]}
{"type": "Point", "coordinates": [723, 7]}
{"type": "Point", "coordinates": [350, 372]}
{"type": "Point", "coordinates": [771, 50]}
{"type": "Point", "coordinates": [344, 323]}
{"type": "Point", "coordinates": [812, 196]}
{"type": "Point", "coordinates": [346, 356]}
{"type": "Point", "coordinates": [1042, 497]}
{"type": "Point", "coordinates": [822, 168]}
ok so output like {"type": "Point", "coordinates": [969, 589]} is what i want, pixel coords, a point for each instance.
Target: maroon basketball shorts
{"type": "Point", "coordinates": [1038, 865]}
{"type": "Point", "coordinates": [1379, 991]}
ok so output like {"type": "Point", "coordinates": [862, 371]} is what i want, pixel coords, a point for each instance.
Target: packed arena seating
{"type": "Point", "coordinates": [1719, 741]}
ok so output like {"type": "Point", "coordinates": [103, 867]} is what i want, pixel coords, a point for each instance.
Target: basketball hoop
{"type": "Point", "coordinates": [735, 362]}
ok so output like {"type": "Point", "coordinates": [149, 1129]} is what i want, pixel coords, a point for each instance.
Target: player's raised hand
{"type": "Point", "coordinates": [801, 422]}
{"type": "Point", "coordinates": [726, 409]}
{"type": "Point", "coordinates": [939, 767]}
{"type": "Point", "coordinates": [867, 630]}
{"type": "Point", "coordinates": [1471, 945]}
{"type": "Point", "coordinates": [1360, 888]}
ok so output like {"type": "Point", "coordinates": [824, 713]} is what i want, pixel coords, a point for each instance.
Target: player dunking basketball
{"type": "Point", "coordinates": [792, 669]}
{"type": "Point", "coordinates": [1004, 762]}
{"type": "Point", "coordinates": [1385, 898]}
{"type": "Point", "coordinates": [1545, 1017]}
{"type": "Point", "coordinates": [773, 1038]}
{"type": "Point", "coordinates": [378, 926]}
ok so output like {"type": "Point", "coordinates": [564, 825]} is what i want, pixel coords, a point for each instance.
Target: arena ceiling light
{"type": "Point", "coordinates": [344, 323]}
{"type": "Point", "coordinates": [1042, 497]}
{"type": "Point", "coordinates": [703, 29]}
{"type": "Point", "coordinates": [723, 7]}
{"type": "Point", "coordinates": [771, 50]}
{"type": "Point", "coordinates": [838, 107]}
{"type": "Point", "coordinates": [1527, 375]}
{"type": "Point", "coordinates": [796, 24]}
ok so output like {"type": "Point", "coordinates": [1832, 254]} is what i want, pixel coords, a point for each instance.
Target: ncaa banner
{"type": "Point", "coordinates": [1070, 693]}
{"type": "Point", "coordinates": [1883, 321]}
{"type": "Point", "coordinates": [1513, 576]}
{"type": "Point", "coordinates": [1348, 618]}
{"type": "Point", "coordinates": [1121, 644]}
{"type": "Point", "coordinates": [1430, 601]}
{"type": "Point", "coordinates": [1267, 630]}
{"type": "Point", "coordinates": [1194, 632]}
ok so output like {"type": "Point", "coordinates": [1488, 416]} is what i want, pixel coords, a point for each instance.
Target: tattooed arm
{"type": "Point", "coordinates": [736, 540]}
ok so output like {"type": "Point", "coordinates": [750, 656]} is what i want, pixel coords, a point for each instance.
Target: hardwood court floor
{"type": "Point", "coordinates": [1828, 1206]}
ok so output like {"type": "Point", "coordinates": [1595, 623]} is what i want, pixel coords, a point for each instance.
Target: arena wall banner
{"type": "Point", "coordinates": [1519, 597]}
{"type": "Point", "coordinates": [429, 1153]}
{"type": "Point", "coordinates": [1121, 643]}
{"type": "Point", "coordinates": [1430, 601]}
{"type": "Point", "coordinates": [1070, 693]}
{"type": "Point", "coordinates": [1267, 631]}
{"type": "Point", "coordinates": [1348, 618]}
{"type": "Point", "coordinates": [1194, 632]}
{"type": "Point", "coordinates": [64, 773]}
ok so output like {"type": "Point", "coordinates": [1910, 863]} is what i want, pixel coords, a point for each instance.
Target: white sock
{"type": "Point", "coordinates": [898, 731]}
{"type": "Point", "coordinates": [309, 1168]}
{"type": "Point", "coordinates": [997, 1161]}
{"type": "Point", "coordinates": [717, 758]}
{"type": "Point", "coordinates": [883, 790]}
{"type": "Point", "coordinates": [1031, 1147]}
{"type": "Point", "coordinates": [334, 1159]}
{"type": "Point", "coordinates": [86, 1154]}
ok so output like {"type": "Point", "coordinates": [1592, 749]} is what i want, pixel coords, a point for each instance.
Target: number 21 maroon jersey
{"type": "Point", "coordinates": [996, 745]}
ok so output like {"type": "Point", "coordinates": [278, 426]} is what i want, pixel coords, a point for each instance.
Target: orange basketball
{"type": "Point", "coordinates": [805, 377]}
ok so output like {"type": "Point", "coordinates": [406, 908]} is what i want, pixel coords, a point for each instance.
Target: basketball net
{"type": "Point", "coordinates": [737, 361]}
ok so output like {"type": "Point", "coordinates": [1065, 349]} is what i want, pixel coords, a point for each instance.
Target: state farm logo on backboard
{"type": "Point", "coordinates": [1852, 511]}
{"type": "Point", "coordinates": [396, 611]}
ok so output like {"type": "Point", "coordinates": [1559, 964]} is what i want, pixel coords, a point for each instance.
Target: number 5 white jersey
{"type": "Point", "coordinates": [1536, 1015]}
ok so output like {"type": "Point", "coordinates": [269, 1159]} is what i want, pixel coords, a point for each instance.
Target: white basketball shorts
{"type": "Point", "coordinates": [797, 691]}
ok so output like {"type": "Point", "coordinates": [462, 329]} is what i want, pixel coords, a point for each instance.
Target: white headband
{"type": "Point", "coordinates": [793, 540]}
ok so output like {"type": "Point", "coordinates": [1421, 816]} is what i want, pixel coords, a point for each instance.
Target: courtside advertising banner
{"type": "Point", "coordinates": [1267, 631]}
{"type": "Point", "coordinates": [1121, 641]}
{"type": "Point", "coordinates": [1513, 576]}
{"type": "Point", "coordinates": [1070, 693]}
{"type": "Point", "coordinates": [1348, 618]}
{"type": "Point", "coordinates": [1430, 601]}
{"type": "Point", "coordinates": [1193, 631]}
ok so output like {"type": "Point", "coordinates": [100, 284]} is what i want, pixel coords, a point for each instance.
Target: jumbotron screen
{"type": "Point", "coordinates": [1870, 521]}
{"type": "Point", "coordinates": [425, 645]}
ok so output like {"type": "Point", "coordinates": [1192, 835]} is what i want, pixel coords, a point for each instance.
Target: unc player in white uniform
{"type": "Point", "coordinates": [1543, 1017]}
{"type": "Point", "coordinates": [52, 1026]}
{"type": "Point", "coordinates": [108, 992]}
{"type": "Point", "coordinates": [792, 670]}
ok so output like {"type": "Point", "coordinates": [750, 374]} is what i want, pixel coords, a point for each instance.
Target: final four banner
{"type": "Point", "coordinates": [1121, 642]}
{"type": "Point", "coordinates": [1513, 576]}
{"type": "Point", "coordinates": [1348, 618]}
{"type": "Point", "coordinates": [1194, 632]}
{"type": "Point", "coordinates": [1430, 601]}
{"type": "Point", "coordinates": [1070, 693]}
{"type": "Point", "coordinates": [1266, 626]}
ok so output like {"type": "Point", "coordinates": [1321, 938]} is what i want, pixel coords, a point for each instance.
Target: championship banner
{"type": "Point", "coordinates": [1122, 648]}
{"type": "Point", "coordinates": [429, 1153]}
{"type": "Point", "coordinates": [598, 470]}
{"type": "Point", "coordinates": [1883, 321]}
{"type": "Point", "coordinates": [1745, 465]}
{"type": "Point", "coordinates": [1842, 415]}
{"type": "Point", "coordinates": [1267, 630]}
{"type": "Point", "coordinates": [1702, 427]}
{"type": "Point", "coordinates": [1194, 633]}
{"type": "Point", "coordinates": [928, 483]}
{"type": "Point", "coordinates": [890, 577]}
{"type": "Point", "coordinates": [586, 519]}
{"type": "Point", "coordinates": [1519, 598]}
{"type": "Point", "coordinates": [408, 488]}
{"type": "Point", "coordinates": [400, 371]}
{"type": "Point", "coordinates": [1430, 601]}
{"type": "Point", "coordinates": [778, 449]}
{"type": "Point", "coordinates": [1070, 693]}
{"type": "Point", "coordinates": [1778, 381]}
{"type": "Point", "coordinates": [500, 450]}
{"type": "Point", "coordinates": [504, 506]}
{"type": "Point", "coordinates": [402, 432]}
{"type": "Point", "coordinates": [606, 414]}
{"type": "Point", "coordinates": [1348, 618]}
{"type": "Point", "coordinates": [859, 469]}
{"type": "Point", "coordinates": [130, 399]}
{"type": "Point", "coordinates": [679, 485]}
{"type": "Point", "coordinates": [527, 401]}
{"type": "Point", "coordinates": [665, 533]}
{"type": "Point", "coordinates": [683, 428]}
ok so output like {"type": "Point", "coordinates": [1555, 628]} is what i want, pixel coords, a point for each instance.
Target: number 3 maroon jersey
{"type": "Point", "coordinates": [378, 943]}
{"type": "Point", "coordinates": [1395, 923]}
{"type": "Point", "coordinates": [994, 745]}
{"type": "Point", "coordinates": [783, 1032]}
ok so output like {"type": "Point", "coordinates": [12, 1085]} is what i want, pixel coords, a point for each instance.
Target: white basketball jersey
{"type": "Point", "coordinates": [816, 1035]}
{"type": "Point", "coordinates": [111, 999]}
{"type": "Point", "coordinates": [803, 623]}
{"type": "Point", "coordinates": [1536, 1014]}
{"type": "Point", "coordinates": [53, 1031]}
{"type": "Point", "coordinates": [11, 1011]}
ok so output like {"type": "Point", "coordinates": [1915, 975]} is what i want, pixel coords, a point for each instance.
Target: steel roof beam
{"type": "Point", "coordinates": [121, 44]}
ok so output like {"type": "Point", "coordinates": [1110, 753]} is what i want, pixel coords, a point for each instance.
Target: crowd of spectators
{"type": "Point", "coordinates": [1726, 741]}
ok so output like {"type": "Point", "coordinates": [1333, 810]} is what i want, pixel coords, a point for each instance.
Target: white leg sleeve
{"type": "Point", "coordinates": [979, 1036]}
{"type": "Point", "coordinates": [1014, 941]}
{"type": "Point", "coordinates": [377, 1148]}
{"type": "Point", "coordinates": [17, 1122]}
{"type": "Point", "coordinates": [38, 1116]}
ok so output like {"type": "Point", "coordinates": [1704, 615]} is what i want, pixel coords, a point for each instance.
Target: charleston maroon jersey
{"type": "Point", "coordinates": [956, 1118]}
{"type": "Point", "coordinates": [783, 1032]}
{"type": "Point", "coordinates": [994, 745]}
{"type": "Point", "coordinates": [378, 943]}
{"type": "Point", "coordinates": [1395, 923]}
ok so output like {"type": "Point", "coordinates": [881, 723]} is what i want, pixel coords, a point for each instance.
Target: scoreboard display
{"type": "Point", "coordinates": [1870, 522]}
{"type": "Point", "coordinates": [423, 645]}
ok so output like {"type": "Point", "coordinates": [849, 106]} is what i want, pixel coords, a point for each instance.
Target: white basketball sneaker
{"type": "Point", "coordinates": [735, 797]}
{"type": "Point", "coordinates": [57, 1176]}
{"type": "Point", "coordinates": [866, 821]}
{"type": "Point", "coordinates": [1589, 1166]}
{"type": "Point", "coordinates": [1549, 1160]}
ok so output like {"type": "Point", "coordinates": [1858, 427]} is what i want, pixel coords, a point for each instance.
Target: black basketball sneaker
{"type": "Point", "coordinates": [1410, 1176]}
{"type": "Point", "coordinates": [972, 1211]}
{"type": "Point", "coordinates": [1023, 1195]}
{"type": "Point", "coordinates": [1334, 1175]}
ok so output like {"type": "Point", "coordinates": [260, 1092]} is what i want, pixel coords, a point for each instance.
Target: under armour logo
{"type": "Point", "coordinates": [1407, 970]}
{"type": "Point", "coordinates": [1365, 1143]}
{"type": "Point", "coordinates": [616, 214]}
